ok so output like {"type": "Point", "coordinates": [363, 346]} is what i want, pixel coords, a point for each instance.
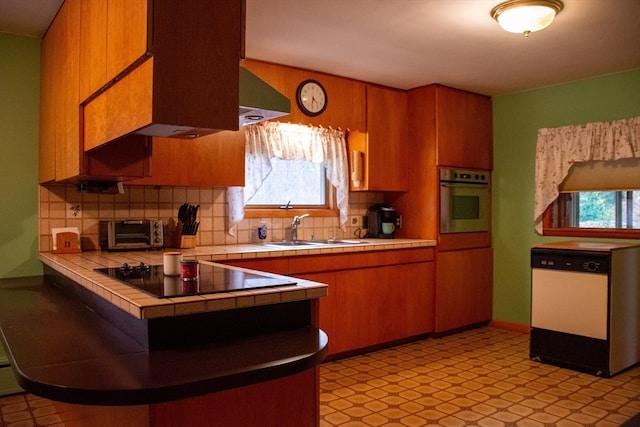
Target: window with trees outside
{"type": "Point", "coordinates": [294, 183]}
{"type": "Point", "coordinates": [606, 213]}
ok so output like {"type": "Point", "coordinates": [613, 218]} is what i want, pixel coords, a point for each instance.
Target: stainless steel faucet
{"type": "Point", "coordinates": [294, 226]}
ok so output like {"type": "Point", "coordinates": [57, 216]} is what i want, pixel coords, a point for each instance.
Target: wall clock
{"type": "Point", "coordinates": [311, 97]}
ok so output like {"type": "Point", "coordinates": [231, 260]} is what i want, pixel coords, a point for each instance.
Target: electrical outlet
{"type": "Point", "coordinates": [355, 221]}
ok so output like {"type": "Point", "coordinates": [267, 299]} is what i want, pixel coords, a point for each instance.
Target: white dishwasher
{"type": "Point", "coordinates": [585, 305]}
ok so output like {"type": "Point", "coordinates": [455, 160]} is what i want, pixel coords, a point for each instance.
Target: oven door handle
{"type": "Point", "coordinates": [464, 185]}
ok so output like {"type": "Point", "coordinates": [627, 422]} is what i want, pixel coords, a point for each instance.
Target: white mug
{"type": "Point", "coordinates": [171, 263]}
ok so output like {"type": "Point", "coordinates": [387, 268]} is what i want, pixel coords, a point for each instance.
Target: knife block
{"type": "Point", "coordinates": [183, 241]}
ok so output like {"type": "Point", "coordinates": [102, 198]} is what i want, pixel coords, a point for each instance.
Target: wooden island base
{"type": "Point", "coordinates": [277, 403]}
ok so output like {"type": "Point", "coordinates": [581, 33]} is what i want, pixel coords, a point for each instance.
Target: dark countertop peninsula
{"type": "Point", "coordinates": [61, 349]}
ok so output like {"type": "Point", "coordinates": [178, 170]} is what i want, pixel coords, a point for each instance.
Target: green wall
{"type": "Point", "coordinates": [19, 100]}
{"type": "Point", "coordinates": [516, 120]}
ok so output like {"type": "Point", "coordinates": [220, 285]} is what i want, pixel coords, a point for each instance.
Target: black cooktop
{"type": "Point", "coordinates": [212, 279]}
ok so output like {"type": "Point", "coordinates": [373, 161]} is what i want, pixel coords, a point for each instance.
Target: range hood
{"type": "Point", "coordinates": [259, 101]}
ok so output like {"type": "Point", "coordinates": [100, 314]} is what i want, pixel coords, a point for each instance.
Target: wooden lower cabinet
{"type": "Point", "coordinates": [368, 303]}
{"type": "Point", "coordinates": [464, 288]}
{"type": "Point", "coordinates": [379, 305]}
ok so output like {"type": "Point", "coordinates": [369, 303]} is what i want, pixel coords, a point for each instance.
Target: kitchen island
{"type": "Point", "coordinates": [65, 343]}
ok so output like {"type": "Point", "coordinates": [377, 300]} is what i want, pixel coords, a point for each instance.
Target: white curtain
{"type": "Point", "coordinates": [558, 148]}
{"type": "Point", "coordinates": [268, 140]}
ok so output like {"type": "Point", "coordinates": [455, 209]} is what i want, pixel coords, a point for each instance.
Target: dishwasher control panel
{"type": "Point", "coordinates": [559, 259]}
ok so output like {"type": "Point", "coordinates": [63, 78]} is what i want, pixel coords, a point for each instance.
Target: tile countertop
{"type": "Point", "coordinates": [80, 268]}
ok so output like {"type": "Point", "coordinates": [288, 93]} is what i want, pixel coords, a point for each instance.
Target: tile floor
{"type": "Point", "coordinates": [481, 377]}
{"type": "Point", "coordinates": [27, 410]}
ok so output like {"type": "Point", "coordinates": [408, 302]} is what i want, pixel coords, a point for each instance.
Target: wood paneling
{"type": "Point", "coordinates": [286, 402]}
{"type": "Point", "coordinates": [291, 401]}
{"type": "Point", "coordinates": [346, 105]}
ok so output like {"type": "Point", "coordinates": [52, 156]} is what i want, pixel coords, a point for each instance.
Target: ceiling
{"type": "Point", "coordinates": [411, 43]}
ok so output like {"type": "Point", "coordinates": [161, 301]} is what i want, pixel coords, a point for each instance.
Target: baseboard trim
{"type": "Point", "coordinates": [517, 327]}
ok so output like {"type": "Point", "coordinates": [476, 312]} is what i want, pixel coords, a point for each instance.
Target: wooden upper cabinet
{"type": "Point", "coordinates": [382, 150]}
{"type": "Point", "coordinates": [346, 98]}
{"type": "Point", "coordinates": [215, 160]}
{"type": "Point", "coordinates": [171, 69]}
{"type": "Point", "coordinates": [47, 142]}
{"type": "Point", "coordinates": [59, 114]}
{"type": "Point", "coordinates": [464, 128]}
{"type": "Point", "coordinates": [73, 68]}
{"type": "Point", "coordinates": [93, 47]}
{"type": "Point", "coordinates": [127, 34]}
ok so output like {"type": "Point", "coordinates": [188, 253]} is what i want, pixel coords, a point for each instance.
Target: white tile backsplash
{"type": "Point", "coordinates": [59, 201]}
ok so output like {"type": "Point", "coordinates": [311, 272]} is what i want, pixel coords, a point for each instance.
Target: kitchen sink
{"type": "Point", "coordinates": [297, 243]}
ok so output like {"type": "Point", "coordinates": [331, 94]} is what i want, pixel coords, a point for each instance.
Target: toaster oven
{"type": "Point", "coordinates": [131, 234]}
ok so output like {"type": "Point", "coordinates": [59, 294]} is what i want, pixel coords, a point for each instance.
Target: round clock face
{"type": "Point", "coordinates": [311, 97]}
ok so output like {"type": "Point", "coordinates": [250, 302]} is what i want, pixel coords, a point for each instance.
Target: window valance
{"type": "Point", "coordinates": [559, 148]}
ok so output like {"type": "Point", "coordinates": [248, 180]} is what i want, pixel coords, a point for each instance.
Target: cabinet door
{"type": "Point", "coordinates": [93, 47]}
{"type": "Point", "coordinates": [48, 88]}
{"type": "Point", "coordinates": [121, 109]}
{"type": "Point", "coordinates": [464, 288]}
{"type": "Point", "coordinates": [463, 129]}
{"type": "Point", "coordinates": [420, 294]}
{"type": "Point", "coordinates": [114, 37]}
{"type": "Point", "coordinates": [387, 134]}
{"type": "Point", "coordinates": [357, 311]}
{"type": "Point", "coordinates": [65, 32]}
{"type": "Point", "coordinates": [127, 34]}
{"type": "Point", "coordinates": [380, 305]}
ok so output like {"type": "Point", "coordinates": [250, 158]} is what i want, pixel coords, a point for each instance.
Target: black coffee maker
{"type": "Point", "coordinates": [382, 220]}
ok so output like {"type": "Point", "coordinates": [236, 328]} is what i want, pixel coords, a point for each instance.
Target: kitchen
{"type": "Point", "coordinates": [516, 118]}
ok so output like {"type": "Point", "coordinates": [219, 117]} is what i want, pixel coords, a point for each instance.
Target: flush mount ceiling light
{"type": "Point", "coordinates": [526, 16]}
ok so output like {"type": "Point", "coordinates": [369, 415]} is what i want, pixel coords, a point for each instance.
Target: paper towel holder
{"type": "Point", "coordinates": [357, 159]}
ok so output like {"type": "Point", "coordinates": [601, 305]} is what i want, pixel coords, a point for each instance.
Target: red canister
{"type": "Point", "coordinates": [189, 269]}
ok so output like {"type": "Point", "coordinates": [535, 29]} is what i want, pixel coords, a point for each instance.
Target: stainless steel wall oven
{"type": "Point", "coordinates": [464, 200]}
